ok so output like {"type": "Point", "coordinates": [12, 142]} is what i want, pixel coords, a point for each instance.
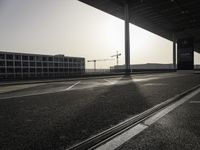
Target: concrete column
{"type": "Point", "coordinates": [127, 39]}
{"type": "Point", "coordinates": [174, 52]}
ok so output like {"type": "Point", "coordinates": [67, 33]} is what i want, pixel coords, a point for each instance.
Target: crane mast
{"type": "Point", "coordinates": [117, 57]}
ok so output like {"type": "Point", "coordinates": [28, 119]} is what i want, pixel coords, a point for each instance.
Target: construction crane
{"type": "Point", "coordinates": [95, 60]}
{"type": "Point", "coordinates": [117, 57]}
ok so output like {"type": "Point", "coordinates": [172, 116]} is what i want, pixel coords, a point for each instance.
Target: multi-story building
{"type": "Point", "coordinates": [30, 66]}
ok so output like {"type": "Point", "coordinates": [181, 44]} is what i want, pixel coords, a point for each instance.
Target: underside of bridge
{"type": "Point", "coordinates": [171, 19]}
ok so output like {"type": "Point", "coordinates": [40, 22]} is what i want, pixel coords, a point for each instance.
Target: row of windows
{"type": "Point", "coordinates": [39, 58]}
{"type": "Point", "coordinates": [16, 63]}
{"type": "Point", "coordinates": [19, 70]}
{"type": "Point", "coordinates": [39, 75]}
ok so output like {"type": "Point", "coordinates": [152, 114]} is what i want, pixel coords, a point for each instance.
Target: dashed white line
{"type": "Point", "coordinates": [67, 89]}
{"type": "Point", "coordinates": [109, 81]}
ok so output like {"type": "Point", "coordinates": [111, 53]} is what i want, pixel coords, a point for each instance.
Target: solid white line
{"type": "Point", "coordinates": [195, 102]}
{"type": "Point", "coordinates": [122, 138]}
{"type": "Point", "coordinates": [67, 89]}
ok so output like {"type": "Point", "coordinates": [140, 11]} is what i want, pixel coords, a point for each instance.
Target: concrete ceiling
{"type": "Point", "coordinates": [162, 17]}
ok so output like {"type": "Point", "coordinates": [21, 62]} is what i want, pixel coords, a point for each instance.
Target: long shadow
{"type": "Point", "coordinates": [59, 120]}
{"type": "Point", "coordinates": [64, 119]}
{"type": "Point", "coordinates": [119, 102]}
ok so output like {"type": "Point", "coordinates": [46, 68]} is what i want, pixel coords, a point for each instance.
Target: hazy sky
{"type": "Point", "coordinates": [73, 28]}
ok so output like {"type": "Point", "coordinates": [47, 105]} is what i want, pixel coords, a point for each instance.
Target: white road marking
{"type": "Point", "coordinates": [67, 89]}
{"type": "Point", "coordinates": [25, 95]}
{"type": "Point", "coordinates": [145, 79]}
{"type": "Point", "coordinates": [109, 81]}
{"type": "Point", "coordinates": [121, 139]}
{"type": "Point", "coordinates": [124, 137]}
{"type": "Point", "coordinates": [155, 84]}
{"type": "Point", "coordinates": [41, 93]}
{"type": "Point", "coordinates": [195, 102]}
{"type": "Point", "coordinates": [113, 81]}
{"type": "Point", "coordinates": [12, 88]}
{"type": "Point", "coordinates": [154, 77]}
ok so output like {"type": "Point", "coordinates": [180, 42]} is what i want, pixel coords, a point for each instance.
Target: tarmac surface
{"type": "Point", "coordinates": [58, 115]}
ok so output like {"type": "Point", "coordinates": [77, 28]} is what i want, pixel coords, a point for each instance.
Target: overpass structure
{"type": "Point", "coordinates": [175, 20]}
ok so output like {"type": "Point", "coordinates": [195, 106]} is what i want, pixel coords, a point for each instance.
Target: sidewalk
{"type": "Point", "coordinates": [180, 130]}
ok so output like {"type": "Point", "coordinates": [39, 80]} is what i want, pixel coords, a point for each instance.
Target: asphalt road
{"type": "Point", "coordinates": [180, 130]}
{"type": "Point", "coordinates": [59, 114]}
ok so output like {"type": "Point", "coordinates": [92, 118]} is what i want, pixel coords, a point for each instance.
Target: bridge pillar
{"type": "Point", "coordinates": [185, 53]}
{"type": "Point", "coordinates": [127, 39]}
{"type": "Point", "coordinates": [174, 52]}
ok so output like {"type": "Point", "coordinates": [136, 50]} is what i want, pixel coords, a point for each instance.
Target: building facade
{"type": "Point", "coordinates": [148, 66]}
{"type": "Point", "coordinates": [31, 66]}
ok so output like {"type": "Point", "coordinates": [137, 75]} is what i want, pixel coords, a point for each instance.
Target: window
{"type": "Point", "coordinates": [17, 70]}
{"type": "Point", "coordinates": [45, 64]}
{"type": "Point", "coordinates": [44, 58]}
{"type": "Point", "coordinates": [50, 58]}
{"type": "Point", "coordinates": [10, 70]}
{"type": "Point", "coordinates": [17, 63]}
{"type": "Point", "coordinates": [32, 64]}
{"type": "Point", "coordinates": [32, 70]}
{"type": "Point", "coordinates": [25, 63]}
{"type": "Point", "coordinates": [45, 70]}
{"type": "Point", "coordinates": [24, 57]}
{"type": "Point", "coordinates": [32, 58]}
{"type": "Point", "coordinates": [39, 70]}
{"type": "Point", "coordinates": [39, 58]}
{"type": "Point", "coordinates": [9, 63]}
{"type": "Point", "coordinates": [25, 69]}
{"type": "Point", "coordinates": [66, 60]}
{"type": "Point", "coordinates": [2, 56]}
{"type": "Point", "coordinates": [17, 57]}
{"type": "Point", "coordinates": [2, 63]}
{"type": "Point", "coordinates": [2, 70]}
{"type": "Point", "coordinates": [39, 64]}
{"type": "Point", "coordinates": [9, 56]}
{"type": "Point", "coordinates": [50, 64]}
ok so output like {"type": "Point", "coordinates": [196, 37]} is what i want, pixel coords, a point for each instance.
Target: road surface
{"type": "Point", "coordinates": [58, 115]}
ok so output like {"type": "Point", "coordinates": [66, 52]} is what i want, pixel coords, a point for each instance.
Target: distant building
{"type": "Point", "coordinates": [30, 66]}
{"type": "Point", "coordinates": [148, 66]}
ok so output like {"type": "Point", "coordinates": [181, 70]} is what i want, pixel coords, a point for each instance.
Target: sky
{"type": "Point", "coordinates": [73, 28]}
